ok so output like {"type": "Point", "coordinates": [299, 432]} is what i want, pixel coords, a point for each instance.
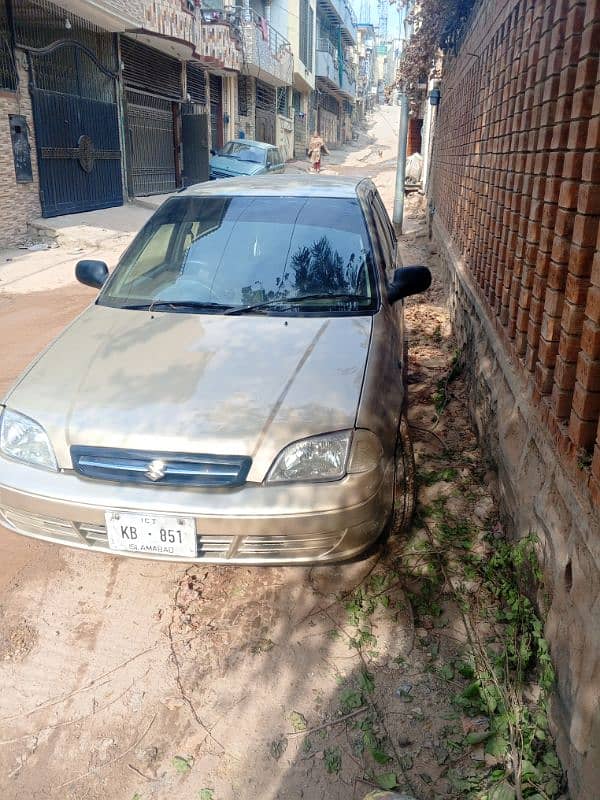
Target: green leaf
{"type": "Point", "coordinates": [298, 721]}
{"type": "Point", "coordinates": [502, 791]}
{"type": "Point", "coordinates": [472, 690]}
{"type": "Point", "coordinates": [206, 794]}
{"type": "Point", "coordinates": [387, 780]}
{"type": "Point", "coordinates": [551, 787]}
{"type": "Point", "coordinates": [528, 770]}
{"type": "Point", "coordinates": [446, 672]}
{"type": "Point", "coordinates": [466, 670]}
{"type": "Point", "coordinates": [366, 682]}
{"type": "Point", "coordinates": [551, 760]}
{"type": "Point", "coordinates": [380, 757]}
{"type": "Point", "coordinates": [182, 765]}
{"type": "Point", "coordinates": [350, 699]}
{"type": "Point", "coordinates": [333, 760]}
{"type": "Point", "coordinates": [477, 737]}
{"type": "Point", "coordinates": [278, 747]}
{"type": "Point", "coordinates": [496, 746]}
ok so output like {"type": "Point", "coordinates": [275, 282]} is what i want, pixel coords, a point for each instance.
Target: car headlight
{"type": "Point", "coordinates": [23, 439]}
{"type": "Point", "coordinates": [320, 458]}
{"type": "Point", "coordinates": [327, 457]}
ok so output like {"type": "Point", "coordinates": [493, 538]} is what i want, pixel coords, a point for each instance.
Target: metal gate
{"type": "Point", "coordinates": [266, 104]}
{"type": "Point", "coordinates": [216, 111]}
{"type": "Point", "coordinates": [194, 140]}
{"type": "Point", "coordinates": [151, 144]}
{"type": "Point", "coordinates": [76, 128]}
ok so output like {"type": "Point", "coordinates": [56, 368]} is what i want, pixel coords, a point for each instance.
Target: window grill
{"type": "Point", "coordinates": [39, 23]}
{"type": "Point", "coordinates": [282, 101]}
{"type": "Point", "coordinates": [150, 70]}
{"type": "Point", "coordinates": [329, 103]}
{"type": "Point", "coordinates": [8, 71]}
{"type": "Point", "coordinates": [196, 83]}
{"type": "Point", "coordinates": [265, 97]}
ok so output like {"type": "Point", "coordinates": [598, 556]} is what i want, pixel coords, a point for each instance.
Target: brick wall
{"type": "Point", "coordinates": [19, 202]}
{"type": "Point", "coordinates": [218, 46]}
{"type": "Point", "coordinates": [516, 196]}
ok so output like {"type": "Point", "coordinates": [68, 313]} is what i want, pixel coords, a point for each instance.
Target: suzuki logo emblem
{"type": "Point", "coordinates": [157, 470]}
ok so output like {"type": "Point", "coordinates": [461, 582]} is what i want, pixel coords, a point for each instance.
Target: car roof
{"type": "Point", "coordinates": [302, 185]}
{"type": "Point", "coordinates": [261, 145]}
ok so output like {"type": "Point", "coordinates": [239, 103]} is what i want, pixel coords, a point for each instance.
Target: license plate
{"type": "Point", "coordinates": [154, 535]}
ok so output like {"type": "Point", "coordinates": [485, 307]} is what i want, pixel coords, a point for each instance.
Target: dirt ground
{"type": "Point", "coordinates": [129, 680]}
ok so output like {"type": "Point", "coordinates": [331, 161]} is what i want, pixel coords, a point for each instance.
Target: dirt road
{"type": "Point", "coordinates": [129, 680]}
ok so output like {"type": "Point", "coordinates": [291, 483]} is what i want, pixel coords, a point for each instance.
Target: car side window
{"type": "Point", "coordinates": [269, 158]}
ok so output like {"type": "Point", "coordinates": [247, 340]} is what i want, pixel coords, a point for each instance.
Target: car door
{"type": "Point", "coordinates": [390, 254]}
{"type": "Point", "coordinates": [383, 398]}
{"type": "Point", "coordinates": [279, 166]}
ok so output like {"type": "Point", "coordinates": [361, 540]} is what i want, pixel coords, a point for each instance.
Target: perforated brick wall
{"type": "Point", "coordinates": [517, 184]}
{"type": "Point", "coordinates": [515, 193]}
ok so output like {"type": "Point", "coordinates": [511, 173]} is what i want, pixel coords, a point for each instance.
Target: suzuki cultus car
{"type": "Point", "coordinates": [236, 391]}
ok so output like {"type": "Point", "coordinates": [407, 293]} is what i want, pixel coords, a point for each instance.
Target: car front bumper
{"type": "Point", "coordinates": [252, 524]}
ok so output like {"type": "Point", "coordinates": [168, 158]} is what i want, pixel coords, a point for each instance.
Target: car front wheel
{"type": "Point", "coordinates": [404, 480]}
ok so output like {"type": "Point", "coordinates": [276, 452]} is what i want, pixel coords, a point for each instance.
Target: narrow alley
{"type": "Point", "coordinates": [146, 680]}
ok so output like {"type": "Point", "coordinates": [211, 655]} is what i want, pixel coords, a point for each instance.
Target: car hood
{"type": "Point", "coordinates": [234, 166]}
{"type": "Point", "coordinates": [196, 383]}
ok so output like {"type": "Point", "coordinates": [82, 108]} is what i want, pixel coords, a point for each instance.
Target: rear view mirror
{"type": "Point", "coordinates": [91, 273]}
{"type": "Point", "coordinates": [407, 281]}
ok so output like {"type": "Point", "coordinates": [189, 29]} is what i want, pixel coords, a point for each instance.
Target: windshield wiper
{"type": "Point", "coordinates": [282, 301]}
{"type": "Point", "coordinates": [196, 305]}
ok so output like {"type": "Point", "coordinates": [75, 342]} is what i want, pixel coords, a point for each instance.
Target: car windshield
{"type": "Point", "coordinates": [278, 254]}
{"type": "Point", "coordinates": [244, 152]}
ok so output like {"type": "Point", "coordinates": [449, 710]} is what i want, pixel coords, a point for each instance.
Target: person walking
{"type": "Point", "coordinates": [316, 146]}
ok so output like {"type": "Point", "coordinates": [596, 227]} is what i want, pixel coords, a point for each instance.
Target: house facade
{"type": "Point", "coordinates": [102, 101]}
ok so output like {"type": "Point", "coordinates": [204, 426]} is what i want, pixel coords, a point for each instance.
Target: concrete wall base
{"type": "Point", "coordinates": [539, 497]}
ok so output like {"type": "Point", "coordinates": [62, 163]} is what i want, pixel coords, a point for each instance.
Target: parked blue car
{"type": "Point", "coordinates": [245, 157]}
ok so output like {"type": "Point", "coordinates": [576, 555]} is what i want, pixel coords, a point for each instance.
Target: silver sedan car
{"type": "Point", "coordinates": [236, 392]}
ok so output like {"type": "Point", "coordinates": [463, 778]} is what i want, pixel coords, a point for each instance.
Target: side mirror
{"type": "Point", "coordinates": [407, 281]}
{"type": "Point", "coordinates": [213, 152]}
{"type": "Point", "coordinates": [91, 273]}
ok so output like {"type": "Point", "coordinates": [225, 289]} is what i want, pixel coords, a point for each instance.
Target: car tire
{"type": "Point", "coordinates": [405, 483]}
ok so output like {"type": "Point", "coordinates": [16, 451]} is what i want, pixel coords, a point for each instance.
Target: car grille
{"type": "Point", "coordinates": [160, 469]}
{"type": "Point", "coordinates": [217, 547]}
{"type": "Point", "coordinates": [216, 173]}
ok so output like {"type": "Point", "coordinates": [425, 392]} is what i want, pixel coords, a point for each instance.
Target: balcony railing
{"type": "Point", "coordinates": [328, 67]}
{"type": "Point", "coordinates": [341, 11]}
{"type": "Point", "coordinates": [265, 50]}
{"type": "Point", "coordinates": [278, 44]}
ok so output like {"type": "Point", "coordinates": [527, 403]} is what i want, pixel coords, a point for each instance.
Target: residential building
{"type": "Point", "coordinates": [301, 26]}
{"type": "Point", "coordinates": [144, 89]}
{"type": "Point", "coordinates": [366, 85]}
{"type": "Point", "coordinates": [264, 102]}
{"type": "Point", "coordinates": [335, 70]}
